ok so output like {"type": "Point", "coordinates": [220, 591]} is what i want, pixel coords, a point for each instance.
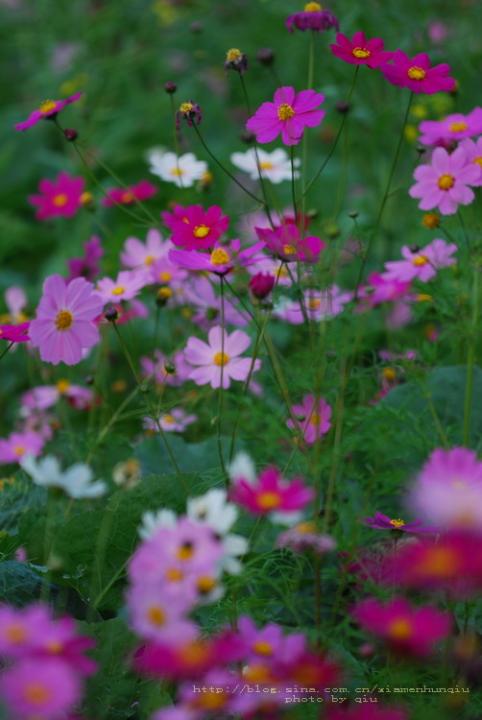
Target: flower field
{"type": "Point", "coordinates": [240, 360]}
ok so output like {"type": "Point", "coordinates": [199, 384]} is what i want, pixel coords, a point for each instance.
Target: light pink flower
{"type": "Point", "coordinates": [220, 261]}
{"type": "Point", "coordinates": [43, 397]}
{"type": "Point", "coordinates": [200, 293]}
{"type": "Point", "coordinates": [319, 305]}
{"type": "Point", "coordinates": [288, 115]}
{"type": "Point", "coordinates": [170, 371]}
{"type": "Point", "coordinates": [312, 421]}
{"type": "Point", "coordinates": [443, 184]}
{"type": "Point", "coordinates": [18, 445]}
{"type": "Point", "coordinates": [421, 264]}
{"type": "Point", "coordinates": [176, 420]}
{"type": "Point", "coordinates": [137, 254]}
{"type": "Point", "coordinates": [473, 153]}
{"type": "Point", "coordinates": [125, 287]}
{"type": "Point", "coordinates": [156, 615]}
{"type": "Point", "coordinates": [219, 359]}
{"type": "Point", "coordinates": [454, 127]}
{"type": "Point", "coordinates": [64, 325]}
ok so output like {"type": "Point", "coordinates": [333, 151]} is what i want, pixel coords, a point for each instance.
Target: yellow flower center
{"type": "Point", "coordinates": [169, 419]}
{"type": "Point", "coordinates": [419, 260]}
{"type": "Point", "coordinates": [174, 575]}
{"type": "Point", "coordinates": [397, 522]}
{"type": "Point", "coordinates": [62, 386]}
{"type": "Point", "coordinates": [416, 73]}
{"type": "Point", "coordinates": [37, 694]}
{"type": "Point", "coordinates": [439, 562]}
{"type": "Point", "coordinates": [233, 55]}
{"type": "Point", "coordinates": [389, 374]}
{"type": "Point", "coordinates": [64, 320]}
{"type": "Point", "coordinates": [305, 528]}
{"type": "Point", "coordinates": [212, 700]}
{"type": "Point", "coordinates": [315, 419]}
{"type": "Point", "coordinates": [186, 551]}
{"type": "Point", "coordinates": [458, 127]}
{"type": "Point", "coordinates": [16, 634]}
{"type": "Point", "coordinates": [186, 107]}
{"type": "Point", "coordinates": [263, 648]}
{"type": "Point", "coordinates": [201, 231]}
{"type": "Point", "coordinates": [257, 674]}
{"type": "Point", "coordinates": [164, 293]}
{"type": "Point", "coordinates": [86, 198]}
{"type": "Point", "coordinates": [431, 220]}
{"type": "Point", "coordinates": [314, 303]}
{"type": "Point", "coordinates": [400, 629]}
{"type": "Point", "coordinates": [424, 297]}
{"type": "Point", "coordinates": [176, 171]}
{"type": "Point", "coordinates": [55, 647]}
{"type": "Point", "coordinates": [60, 200]}
{"type": "Point", "coordinates": [221, 359]}
{"type": "Point", "coordinates": [127, 197]}
{"type": "Point", "coordinates": [285, 112]}
{"type": "Point", "coordinates": [360, 52]}
{"type": "Point", "coordinates": [313, 7]}
{"type": "Point", "coordinates": [205, 584]}
{"type": "Point", "coordinates": [445, 182]}
{"type": "Point", "coordinates": [193, 653]}
{"type": "Point", "coordinates": [269, 500]}
{"type": "Point", "coordinates": [478, 160]}
{"type": "Point", "coordinates": [219, 256]}
{"type": "Point", "coordinates": [19, 450]}
{"type": "Point", "coordinates": [289, 249]}
{"type": "Point", "coordinates": [149, 259]}
{"type": "Point", "coordinates": [47, 106]}
{"type": "Point", "coordinates": [165, 276]}
{"type": "Point", "coordinates": [118, 290]}
{"type": "Point", "coordinates": [156, 616]}
{"type": "Point", "coordinates": [266, 165]}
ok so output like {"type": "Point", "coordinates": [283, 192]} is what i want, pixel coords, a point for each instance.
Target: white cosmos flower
{"type": "Point", "coordinates": [153, 521]}
{"type": "Point", "coordinates": [182, 170]}
{"type": "Point", "coordinates": [275, 166]}
{"type": "Point", "coordinates": [76, 481]}
{"type": "Point", "coordinates": [242, 467]}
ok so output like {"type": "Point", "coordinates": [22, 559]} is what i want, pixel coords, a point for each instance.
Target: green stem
{"type": "Point", "coordinates": [293, 186]}
{"type": "Point", "coordinates": [9, 346]}
{"type": "Point", "coordinates": [471, 352]}
{"type": "Point", "coordinates": [221, 388]}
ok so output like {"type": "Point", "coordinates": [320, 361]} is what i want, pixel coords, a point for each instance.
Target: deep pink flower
{"type": "Point", "coordinates": [87, 266]}
{"type": "Point", "coordinates": [269, 643]}
{"type": "Point", "coordinates": [44, 690]}
{"type": "Point", "coordinates": [15, 333]}
{"type": "Point", "coordinates": [48, 109]}
{"type": "Point", "coordinates": [18, 445]}
{"type": "Point", "coordinates": [420, 264]}
{"type": "Point", "coordinates": [417, 74]}
{"type": "Point", "coordinates": [270, 493]}
{"type": "Point", "coordinates": [286, 243]}
{"type": "Point", "coordinates": [312, 422]}
{"type": "Point", "coordinates": [313, 17]}
{"type": "Point", "coordinates": [288, 115]}
{"type": "Point", "coordinates": [126, 286]}
{"type": "Point", "coordinates": [452, 128]}
{"type": "Point", "coordinates": [407, 629]}
{"type": "Point", "coordinates": [360, 51]}
{"type": "Point", "coordinates": [220, 261]}
{"type": "Point", "coordinates": [219, 358]}
{"type": "Point", "coordinates": [194, 228]}
{"type": "Point", "coordinates": [261, 285]}
{"type": "Point", "coordinates": [382, 522]}
{"type": "Point", "coordinates": [473, 154]}
{"type": "Point", "coordinates": [64, 325]}
{"type": "Point", "coordinates": [383, 290]}
{"type": "Point", "coordinates": [58, 198]}
{"type": "Point", "coordinates": [443, 183]}
{"type": "Point", "coordinates": [129, 195]}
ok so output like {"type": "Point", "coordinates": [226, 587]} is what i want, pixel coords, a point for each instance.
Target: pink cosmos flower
{"type": "Point", "coordinates": [269, 643]}
{"type": "Point", "coordinates": [129, 195]}
{"type": "Point", "coordinates": [406, 628]}
{"type": "Point", "coordinates": [137, 254]}
{"type": "Point", "coordinates": [58, 198]}
{"type": "Point", "coordinates": [452, 128]}
{"type": "Point", "coordinates": [15, 333]}
{"type": "Point", "coordinates": [194, 228]}
{"type": "Point", "coordinates": [164, 272]}
{"type": "Point", "coordinates": [43, 397]}
{"type": "Point", "coordinates": [286, 243]}
{"type": "Point", "coordinates": [383, 522]}
{"type": "Point", "coordinates": [45, 690]}
{"type": "Point", "coordinates": [155, 616]}
{"type": "Point", "coordinates": [176, 420]}
{"type": "Point", "coordinates": [421, 264]}
{"type": "Point", "coordinates": [48, 109]}
{"type": "Point", "coordinates": [318, 305]}
{"type": "Point", "coordinates": [443, 184]}
{"type": "Point", "coordinates": [303, 537]}
{"type": "Point", "coordinates": [417, 74]}
{"type": "Point", "coordinates": [270, 493]}
{"type": "Point", "coordinates": [313, 17]}
{"type": "Point", "coordinates": [382, 290]}
{"type": "Point", "coordinates": [64, 325]}
{"type": "Point", "coordinates": [313, 423]}
{"type": "Point", "coordinates": [18, 445]}
{"type": "Point", "coordinates": [173, 371]}
{"type": "Point", "coordinates": [125, 287]}
{"type": "Point", "coordinates": [287, 115]}
{"type": "Point", "coordinates": [473, 153]}
{"type": "Point", "coordinates": [360, 51]}
{"type": "Point", "coordinates": [220, 261]}
{"type": "Point", "coordinates": [219, 360]}
{"type": "Point", "coordinates": [200, 293]}
{"type": "Point", "coordinates": [448, 490]}
{"type": "Point", "coordinates": [87, 266]}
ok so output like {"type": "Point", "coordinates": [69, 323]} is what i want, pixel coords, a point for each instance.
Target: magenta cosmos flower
{"type": "Point", "coordinates": [417, 74]}
{"type": "Point", "coordinates": [220, 261]}
{"type": "Point", "coordinates": [15, 333]}
{"type": "Point", "coordinates": [443, 184]}
{"type": "Point", "coordinates": [360, 51]}
{"type": "Point", "coordinates": [126, 286]}
{"type": "Point", "coordinates": [219, 358]}
{"type": "Point", "coordinates": [452, 128]}
{"type": "Point", "coordinates": [64, 325]}
{"type": "Point", "coordinates": [270, 493]}
{"type": "Point", "coordinates": [312, 419]}
{"type": "Point", "coordinates": [286, 243]}
{"type": "Point", "coordinates": [87, 266]}
{"type": "Point", "coordinates": [380, 290]}
{"type": "Point", "coordinates": [194, 228]}
{"type": "Point", "coordinates": [382, 522]}
{"type": "Point", "coordinates": [58, 198]}
{"type": "Point", "coordinates": [448, 490]}
{"type": "Point", "coordinates": [18, 445]}
{"type": "Point", "coordinates": [312, 17]}
{"type": "Point", "coordinates": [269, 644]}
{"type": "Point", "coordinates": [48, 109]}
{"type": "Point", "coordinates": [407, 629]}
{"type": "Point", "coordinates": [129, 195]}
{"type": "Point", "coordinates": [473, 153]}
{"type": "Point", "coordinates": [288, 115]}
{"type": "Point", "coordinates": [421, 264]}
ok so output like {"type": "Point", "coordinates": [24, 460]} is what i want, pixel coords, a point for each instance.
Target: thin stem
{"type": "Point", "coordinates": [471, 351]}
{"type": "Point", "coordinates": [9, 346]}
{"type": "Point", "coordinates": [464, 229]}
{"type": "Point", "coordinates": [293, 186]}
{"type": "Point", "coordinates": [221, 387]}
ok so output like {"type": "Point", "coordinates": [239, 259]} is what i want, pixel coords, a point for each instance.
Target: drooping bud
{"type": "Point", "coordinates": [71, 134]}
{"type": "Point", "coordinates": [261, 285]}
{"type": "Point", "coordinates": [170, 87]}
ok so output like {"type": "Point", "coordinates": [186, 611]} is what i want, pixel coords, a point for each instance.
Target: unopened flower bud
{"type": "Point", "coordinates": [247, 137]}
{"type": "Point", "coordinates": [261, 285]}
{"type": "Point", "coordinates": [265, 56]}
{"type": "Point", "coordinates": [343, 107]}
{"type": "Point", "coordinates": [111, 313]}
{"type": "Point", "coordinates": [70, 134]}
{"type": "Point", "coordinates": [170, 87]}
{"type": "Point", "coordinates": [196, 27]}
{"type": "Point", "coordinates": [163, 295]}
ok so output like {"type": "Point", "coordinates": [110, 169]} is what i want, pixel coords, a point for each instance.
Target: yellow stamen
{"type": "Point", "coordinates": [219, 256]}
{"type": "Point", "coordinates": [186, 551]}
{"type": "Point", "coordinates": [315, 419]}
{"type": "Point", "coordinates": [165, 276]}
{"type": "Point", "coordinates": [86, 198]}
{"type": "Point", "coordinates": [19, 450]}
{"type": "Point", "coordinates": [478, 160]}
{"type": "Point", "coordinates": [441, 562]}
{"type": "Point", "coordinates": [16, 634]}
{"type": "Point", "coordinates": [164, 293]}
{"type": "Point", "coordinates": [127, 197]}
{"type": "Point", "coordinates": [149, 259]}
{"type": "Point", "coordinates": [221, 359]}
{"type": "Point", "coordinates": [269, 500]}
{"type": "Point", "coordinates": [266, 165]}
{"type": "Point", "coordinates": [212, 700]}
{"type": "Point", "coordinates": [176, 172]}
{"type": "Point", "coordinates": [360, 52]}
{"type": "Point", "coordinates": [313, 7]}
{"type": "Point", "coordinates": [206, 584]}
{"type": "Point", "coordinates": [289, 249]}
{"type": "Point", "coordinates": [47, 107]}
{"type": "Point", "coordinates": [156, 616]}
{"type": "Point", "coordinates": [285, 112]}
{"type": "Point", "coordinates": [233, 55]}
{"type": "Point", "coordinates": [419, 260]}
{"type": "Point", "coordinates": [186, 107]}
{"type": "Point", "coordinates": [174, 575]}
{"type": "Point", "coordinates": [62, 386]}
{"type": "Point", "coordinates": [201, 231]}
{"type": "Point", "coordinates": [389, 374]}
{"type": "Point", "coordinates": [431, 220]}
{"type": "Point", "coordinates": [37, 694]}
{"type": "Point", "coordinates": [169, 419]}
{"type": "Point", "coordinates": [64, 320]}
{"type": "Point", "coordinates": [314, 304]}
{"type": "Point", "coordinates": [424, 297]}
{"type": "Point", "coordinates": [262, 648]}
{"type": "Point", "coordinates": [60, 200]}
{"type": "Point", "coordinates": [458, 127]}
{"type": "Point", "coordinates": [416, 73]}
{"type": "Point", "coordinates": [305, 528]}
{"type": "Point", "coordinates": [397, 522]}
{"type": "Point", "coordinates": [400, 629]}
{"type": "Point", "coordinates": [118, 290]}
{"type": "Point", "coordinates": [446, 182]}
